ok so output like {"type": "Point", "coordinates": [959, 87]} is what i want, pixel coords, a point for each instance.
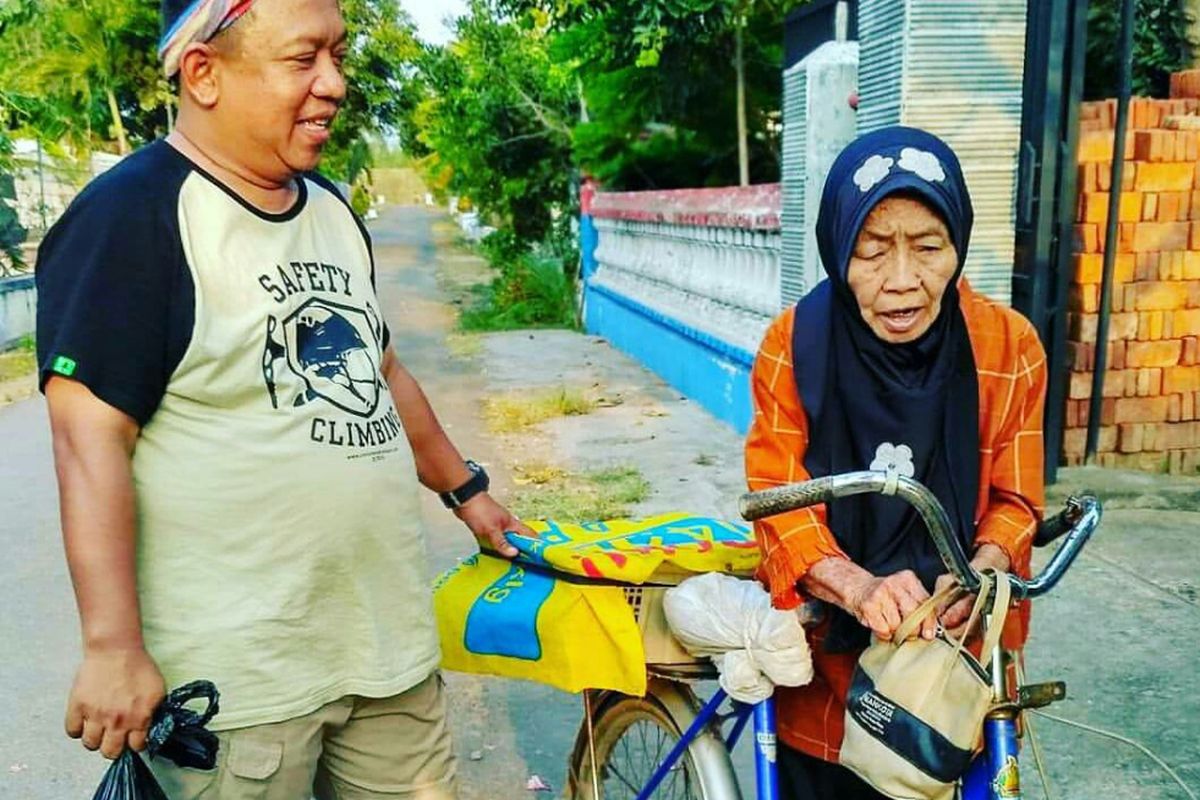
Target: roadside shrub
{"type": "Point", "coordinates": [529, 292]}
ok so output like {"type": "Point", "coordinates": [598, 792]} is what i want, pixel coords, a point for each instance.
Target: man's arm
{"type": "Point", "coordinates": [440, 466]}
{"type": "Point", "coordinates": [118, 685]}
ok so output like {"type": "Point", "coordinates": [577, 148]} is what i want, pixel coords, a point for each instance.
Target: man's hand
{"type": "Point", "coordinates": [113, 700]}
{"type": "Point", "coordinates": [954, 618]}
{"type": "Point", "coordinates": [882, 603]}
{"type": "Point", "coordinates": [489, 521]}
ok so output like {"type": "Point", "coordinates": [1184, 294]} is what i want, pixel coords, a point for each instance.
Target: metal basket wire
{"type": "Point", "coordinates": [662, 648]}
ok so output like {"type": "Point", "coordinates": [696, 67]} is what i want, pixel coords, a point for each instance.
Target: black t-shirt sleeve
{"type": "Point", "coordinates": [115, 300]}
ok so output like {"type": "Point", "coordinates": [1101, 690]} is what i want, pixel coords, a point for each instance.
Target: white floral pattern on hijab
{"type": "Point", "coordinates": [872, 171]}
{"type": "Point", "coordinates": [922, 163]}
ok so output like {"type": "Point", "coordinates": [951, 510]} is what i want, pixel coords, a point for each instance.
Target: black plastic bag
{"type": "Point", "coordinates": [128, 778]}
{"type": "Point", "coordinates": [176, 733]}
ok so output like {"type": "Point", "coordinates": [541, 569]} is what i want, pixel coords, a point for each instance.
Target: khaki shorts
{"type": "Point", "coordinates": [352, 749]}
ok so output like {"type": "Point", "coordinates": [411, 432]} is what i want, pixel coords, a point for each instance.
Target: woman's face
{"type": "Point", "coordinates": [902, 263]}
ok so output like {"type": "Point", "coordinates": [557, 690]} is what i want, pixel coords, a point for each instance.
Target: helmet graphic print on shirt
{"type": "Point", "coordinates": [331, 352]}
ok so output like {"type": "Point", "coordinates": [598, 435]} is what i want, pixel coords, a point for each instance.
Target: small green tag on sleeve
{"type": "Point", "coordinates": [63, 366]}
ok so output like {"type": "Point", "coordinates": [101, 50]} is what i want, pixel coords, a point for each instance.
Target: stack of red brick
{"type": "Point", "coordinates": [1150, 416]}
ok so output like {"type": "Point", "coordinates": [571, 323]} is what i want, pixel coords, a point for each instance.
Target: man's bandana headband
{"type": "Point", "coordinates": [201, 21]}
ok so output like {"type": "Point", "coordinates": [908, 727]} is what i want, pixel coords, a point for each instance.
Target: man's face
{"type": "Point", "coordinates": [281, 85]}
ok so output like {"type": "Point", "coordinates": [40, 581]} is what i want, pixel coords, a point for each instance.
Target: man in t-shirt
{"type": "Point", "coordinates": [237, 445]}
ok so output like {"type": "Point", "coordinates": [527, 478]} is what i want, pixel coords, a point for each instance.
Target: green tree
{"type": "Point", "coordinates": [497, 116]}
{"type": "Point", "coordinates": [70, 67]}
{"type": "Point", "coordinates": [662, 112]}
{"type": "Point", "coordinates": [384, 86]}
{"type": "Point", "coordinates": [1160, 46]}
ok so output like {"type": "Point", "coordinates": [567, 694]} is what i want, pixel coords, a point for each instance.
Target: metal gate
{"type": "Point", "coordinates": [1055, 41]}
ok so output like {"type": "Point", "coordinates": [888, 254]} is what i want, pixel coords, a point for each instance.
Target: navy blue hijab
{"type": "Point", "coordinates": [861, 392]}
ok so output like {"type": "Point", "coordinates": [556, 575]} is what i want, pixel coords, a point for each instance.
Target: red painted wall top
{"type": "Point", "coordinates": [754, 207]}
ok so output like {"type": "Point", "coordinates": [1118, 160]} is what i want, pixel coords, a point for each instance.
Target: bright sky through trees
{"type": "Point", "coordinates": [430, 14]}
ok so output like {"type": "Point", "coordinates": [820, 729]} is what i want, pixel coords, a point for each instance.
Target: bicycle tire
{"type": "Point", "coordinates": [627, 728]}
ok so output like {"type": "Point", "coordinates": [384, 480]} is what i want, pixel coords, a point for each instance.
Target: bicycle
{"type": "Point", "coordinates": [619, 751]}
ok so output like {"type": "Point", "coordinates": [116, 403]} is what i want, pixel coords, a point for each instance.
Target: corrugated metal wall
{"type": "Point", "coordinates": [881, 26]}
{"type": "Point", "coordinates": [795, 154]}
{"type": "Point", "coordinates": [955, 67]}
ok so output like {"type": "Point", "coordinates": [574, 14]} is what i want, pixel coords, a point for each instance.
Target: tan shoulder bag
{"type": "Point", "coordinates": [915, 712]}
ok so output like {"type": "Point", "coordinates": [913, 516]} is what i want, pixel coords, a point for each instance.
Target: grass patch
{"type": "Point", "coordinates": [518, 411]}
{"type": "Point", "coordinates": [704, 460]}
{"type": "Point", "coordinates": [548, 492]}
{"type": "Point", "coordinates": [20, 361]}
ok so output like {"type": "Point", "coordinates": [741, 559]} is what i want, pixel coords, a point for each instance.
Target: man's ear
{"type": "Point", "coordinates": [198, 68]}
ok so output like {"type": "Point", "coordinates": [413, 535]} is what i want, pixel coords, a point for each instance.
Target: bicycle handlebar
{"type": "Point", "coordinates": [1082, 516]}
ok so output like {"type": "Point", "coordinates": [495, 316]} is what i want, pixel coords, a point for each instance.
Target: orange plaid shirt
{"type": "Point", "coordinates": [1012, 382]}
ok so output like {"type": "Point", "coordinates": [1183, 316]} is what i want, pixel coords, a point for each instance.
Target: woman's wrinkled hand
{"type": "Point", "coordinates": [882, 603]}
{"type": "Point", "coordinates": [954, 616]}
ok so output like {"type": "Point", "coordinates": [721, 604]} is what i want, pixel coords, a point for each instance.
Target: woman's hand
{"type": "Point", "coordinates": [878, 603]}
{"type": "Point", "coordinates": [882, 603]}
{"type": "Point", "coordinates": [954, 617]}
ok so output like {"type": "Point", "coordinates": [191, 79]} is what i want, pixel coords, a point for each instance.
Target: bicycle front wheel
{"type": "Point", "coordinates": [633, 735]}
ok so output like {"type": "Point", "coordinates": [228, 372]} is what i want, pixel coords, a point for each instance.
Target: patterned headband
{"type": "Point", "coordinates": [201, 21]}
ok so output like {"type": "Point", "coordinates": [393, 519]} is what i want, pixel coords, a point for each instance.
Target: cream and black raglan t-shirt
{"type": "Point", "coordinates": [280, 552]}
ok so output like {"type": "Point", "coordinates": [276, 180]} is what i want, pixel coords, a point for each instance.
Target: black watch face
{"type": "Point", "coordinates": [480, 473]}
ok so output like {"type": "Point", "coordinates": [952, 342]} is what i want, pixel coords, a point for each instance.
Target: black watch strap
{"type": "Point", "coordinates": [478, 482]}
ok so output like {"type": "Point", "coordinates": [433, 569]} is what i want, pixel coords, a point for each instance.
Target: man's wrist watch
{"type": "Point", "coordinates": [478, 482]}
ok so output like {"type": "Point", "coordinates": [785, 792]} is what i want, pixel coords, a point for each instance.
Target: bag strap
{"type": "Point", "coordinates": [1003, 596]}
{"type": "Point", "coordinates": [992, 582]}
{"type": "Point", "coordinates": [986, 585]}
{"type": "Point", "coordinates": [910, 623]}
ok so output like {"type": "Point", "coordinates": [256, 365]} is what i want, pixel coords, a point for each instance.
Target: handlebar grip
{"type": "Point", "coordinates": [1059, 524]}
{"type": "Point", "coordinates": [756, 505]}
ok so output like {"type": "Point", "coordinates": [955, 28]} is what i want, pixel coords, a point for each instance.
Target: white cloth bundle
{"type": "Point", "coordinates": [755, 647]}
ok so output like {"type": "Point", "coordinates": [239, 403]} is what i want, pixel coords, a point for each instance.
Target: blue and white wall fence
{"type": "Point", "coordinates": [686, 282]}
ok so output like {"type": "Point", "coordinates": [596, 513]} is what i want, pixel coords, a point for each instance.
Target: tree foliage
{"type": "Point", "coordinates": [496, 115]}
{"type": "Point", "coordinates": [659, 80]}
{"type": "Point", "coordinates": [381, 77]}
{"type": "Point", "coordinates": [83, 71]}
{"type": "Point", "coordinates": [1161, 45]}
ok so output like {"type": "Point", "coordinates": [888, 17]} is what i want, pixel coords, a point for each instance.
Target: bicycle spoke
{"type": "Point", "coordinates": [628, 784]}
{"type": "Point", "coordinates": [662, 741]}
{"type": "Point", "coordinates": [635, 753]}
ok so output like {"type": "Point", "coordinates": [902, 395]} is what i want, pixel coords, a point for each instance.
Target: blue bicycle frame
{"type": "Point", "coordinates": [994, 775]}
{"type": "Point", "coordinates": [765, 771]}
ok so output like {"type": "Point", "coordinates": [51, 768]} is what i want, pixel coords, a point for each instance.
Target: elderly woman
{"type": "Point", "coordinates": [892, 359]}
